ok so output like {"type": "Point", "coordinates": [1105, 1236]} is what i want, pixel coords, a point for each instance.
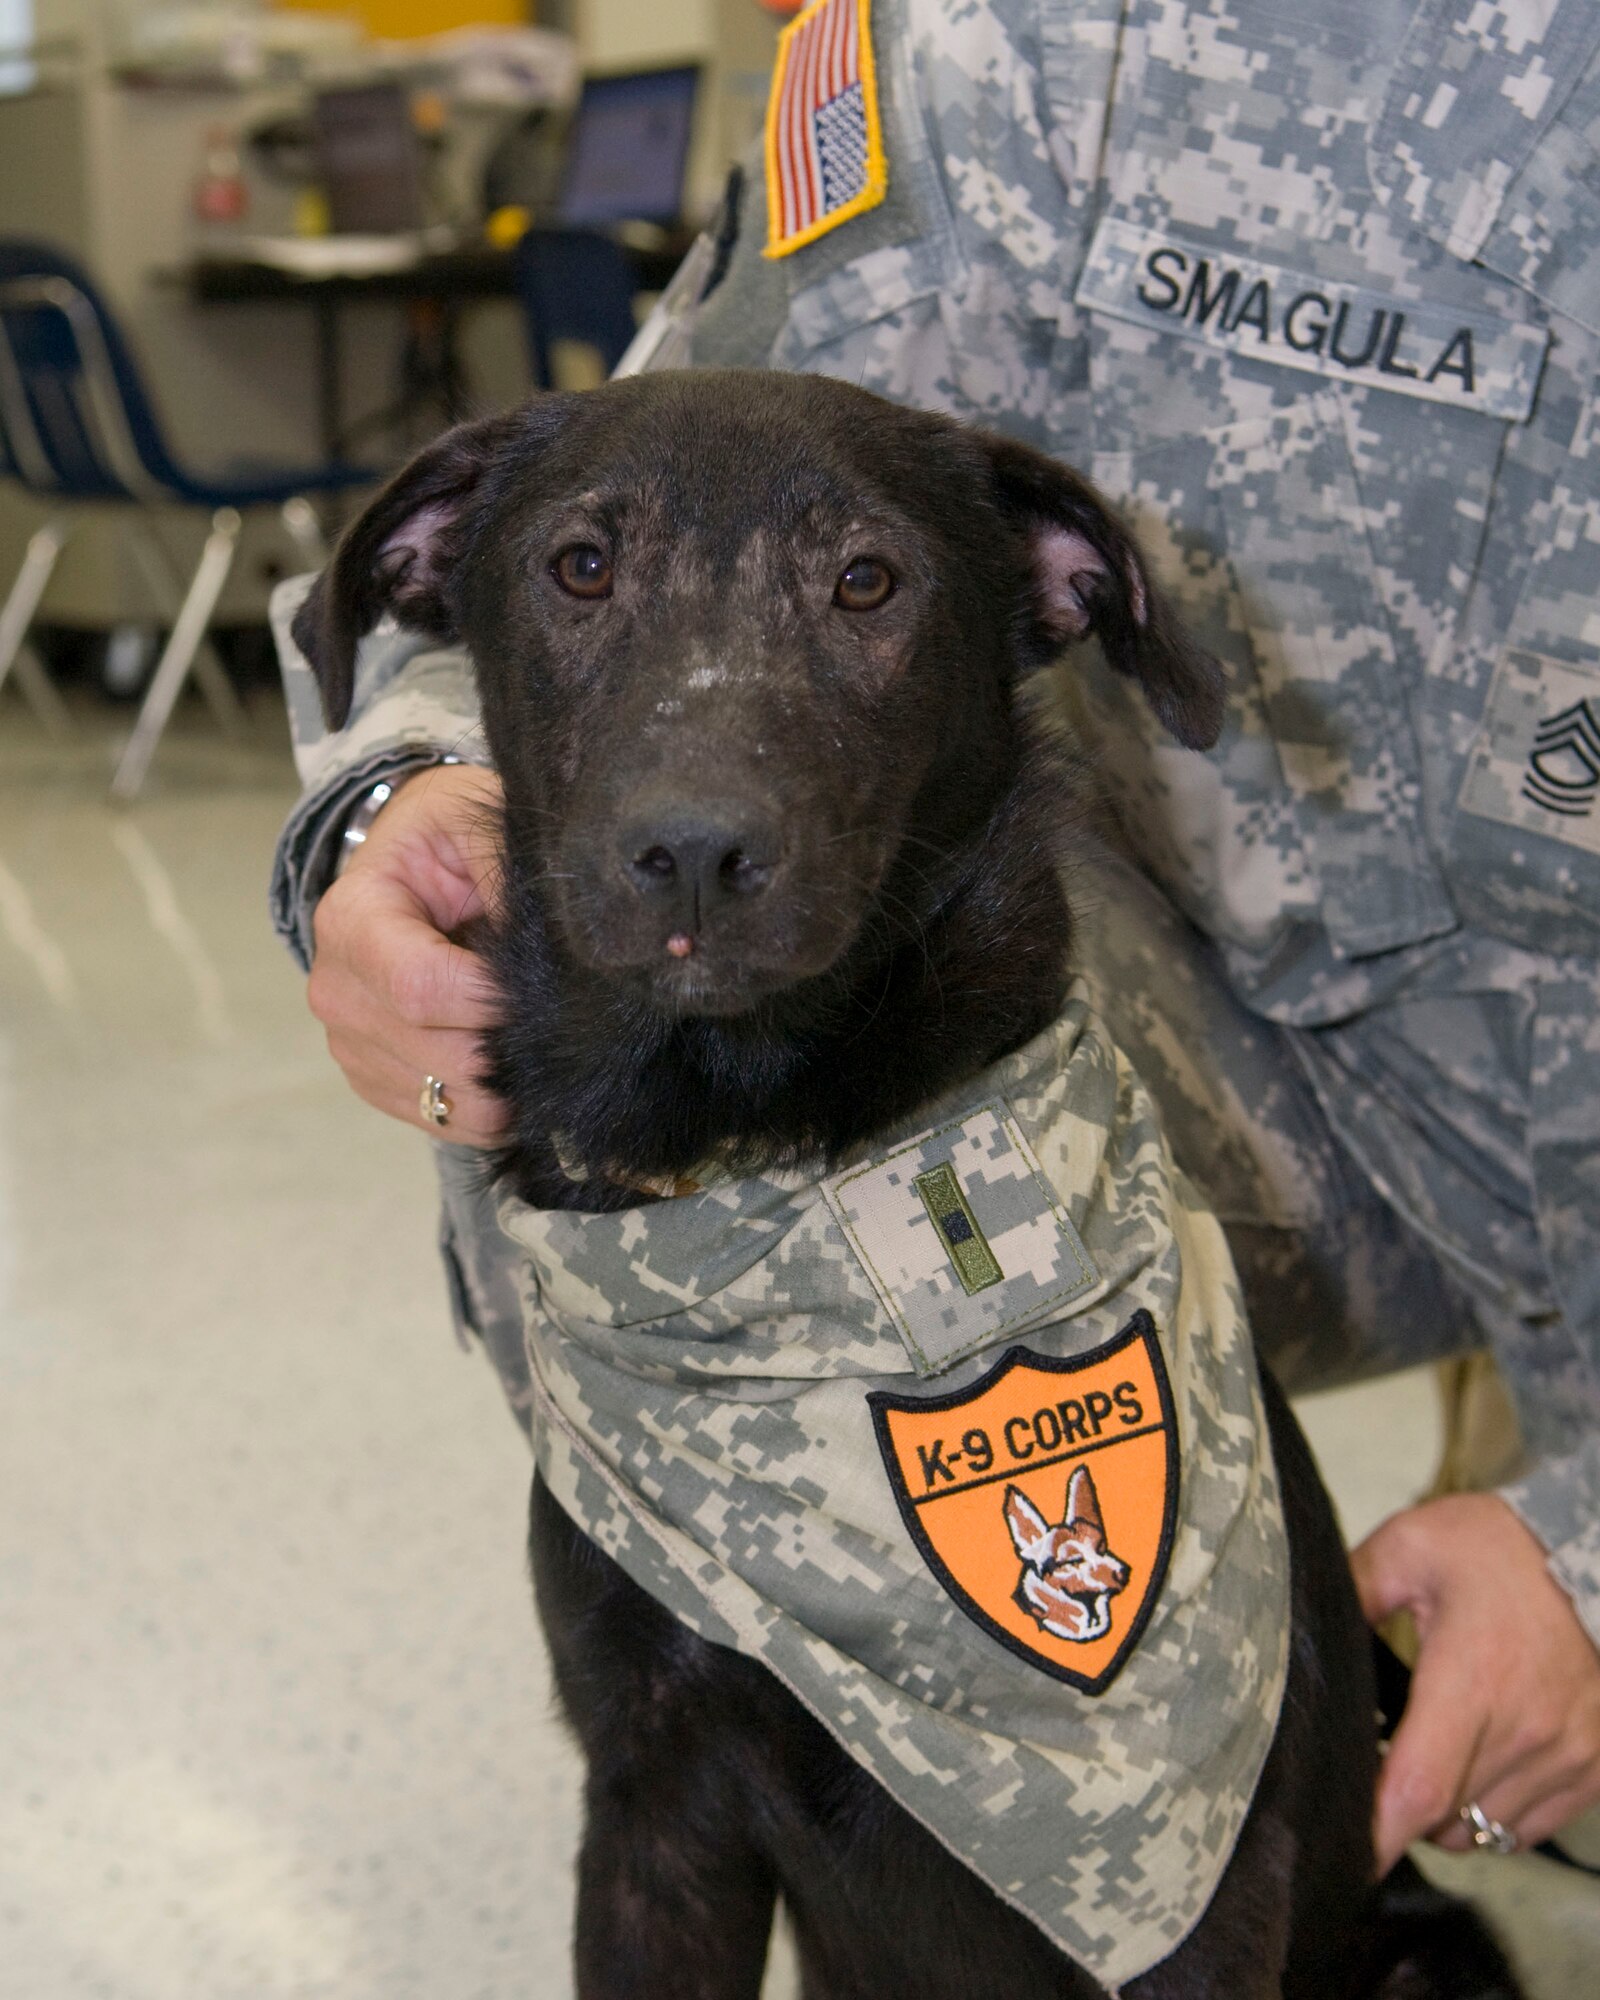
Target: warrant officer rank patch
{"type": "Point", "coordinates": [963, 1237]}
{"type": "Point", "coordinates": [825, 159]}
{"type": "Point", "coordinates": [964, 1242]}
{"type": "Point", "coordinates": [1043, 1497]}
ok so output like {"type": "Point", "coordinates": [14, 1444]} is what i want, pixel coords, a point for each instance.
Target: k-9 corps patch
{"type": "Point", "coordinates": [1043, 1497]}
{"type": "Point", "coordinates": [825, 159]}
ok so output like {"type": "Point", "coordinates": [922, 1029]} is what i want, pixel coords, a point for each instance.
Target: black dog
{"type": "Point", "coordinates": [783, 862]}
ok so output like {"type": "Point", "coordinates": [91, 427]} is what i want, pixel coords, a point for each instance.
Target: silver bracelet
{"type": "Point", "coordinates": [367, 809]}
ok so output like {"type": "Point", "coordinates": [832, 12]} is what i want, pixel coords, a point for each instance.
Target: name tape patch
{"type": "Point", "coordinates": [1292, 319]}
{"type": "Point", "coordinates": [1044, 1497]}
{"type": "Point", "coordinates": [962, 1236]}
{"type": "Point", "coordinates": [824, 140]}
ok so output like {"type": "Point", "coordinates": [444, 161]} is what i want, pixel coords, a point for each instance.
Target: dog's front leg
{"type": "Point", "coordinates": [675, 1893]}
{"type": "Point", "coordinates": [668, 1905]}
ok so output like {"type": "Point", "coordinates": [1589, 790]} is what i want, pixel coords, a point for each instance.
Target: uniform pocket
{"type": "Point", "coordinates": [1309, 808]}
{"type": "Point", "coordinates": [883, 284]}
{"type": "Point", "coordinates": [1490, 143]}
{"type": "Point", "coordinates": [1331, 683]}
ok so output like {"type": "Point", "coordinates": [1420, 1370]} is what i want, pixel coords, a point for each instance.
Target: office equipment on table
{"type": "Point", "coordinates": [338, 256]}
{"type": "Point", "coordinates": [628, 148]}
{"type": "Point", "coordinates": [77, 425]}
{"type": "Point", "coordinates": [506, 66]}
{"type": "Point", "coordinates": [225, 45]}
{"type": "Point", "coordinates": [369, 159]}
{"type": "Point", "coordinates": [454, 278]}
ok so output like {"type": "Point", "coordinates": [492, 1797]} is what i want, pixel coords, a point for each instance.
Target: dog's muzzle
{"type": "Point", "coordinates": [689, 863]}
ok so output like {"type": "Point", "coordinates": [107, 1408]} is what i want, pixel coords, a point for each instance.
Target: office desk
{"type": "Point", "coordinates": [433, 288]}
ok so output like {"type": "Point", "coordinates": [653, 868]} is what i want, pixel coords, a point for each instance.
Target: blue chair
{"type": "Point", "coordinates": [76, 424]}
{"type": "Point", "coordinates": [575, 285]}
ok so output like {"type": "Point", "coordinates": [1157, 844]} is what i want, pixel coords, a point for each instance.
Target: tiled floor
{"type": "Point", "coordinates": [275, 1716]}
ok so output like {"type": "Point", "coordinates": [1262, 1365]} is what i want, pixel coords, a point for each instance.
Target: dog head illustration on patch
{"type": "Point", "coordinates": [1069, 1576]}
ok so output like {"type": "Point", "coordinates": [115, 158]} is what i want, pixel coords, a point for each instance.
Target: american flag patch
{"type": "Point", "coordinates": [825, 158]}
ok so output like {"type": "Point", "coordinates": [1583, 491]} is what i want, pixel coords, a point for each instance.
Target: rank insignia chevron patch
{"type": "Point", "coordinates": [825, 159]}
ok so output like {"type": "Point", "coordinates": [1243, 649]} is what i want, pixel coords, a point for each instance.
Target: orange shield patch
{"type": "Point", "coordinates": [1043, 1497]}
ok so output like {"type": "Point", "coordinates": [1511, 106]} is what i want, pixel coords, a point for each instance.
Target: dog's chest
{"type": "Point", "coordinates": [921, 1438]}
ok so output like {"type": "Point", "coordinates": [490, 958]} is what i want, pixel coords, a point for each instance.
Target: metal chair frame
{"type": "Point", "coordinates": [103, 418]}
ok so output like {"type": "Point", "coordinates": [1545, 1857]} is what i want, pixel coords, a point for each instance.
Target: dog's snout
{"type": "Point", "coordinates": [692, 860]}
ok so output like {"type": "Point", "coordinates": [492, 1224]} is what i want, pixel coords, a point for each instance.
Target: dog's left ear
{"type": "Point", "coordinates": [398, 555]}
{"type": "Point", "coordinates": [1088, 576]}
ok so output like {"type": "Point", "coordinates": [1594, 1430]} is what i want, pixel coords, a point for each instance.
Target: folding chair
{"type": "Point", "coordinates": [76, 424]}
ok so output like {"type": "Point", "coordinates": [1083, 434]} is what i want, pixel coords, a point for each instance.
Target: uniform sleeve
{"type": "Point", "coordinates": [415, 704]}
{"type": "Point", "coordinates": [1559, 1500]}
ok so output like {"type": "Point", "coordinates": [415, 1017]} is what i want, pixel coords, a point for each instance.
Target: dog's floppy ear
{"type": "Point", "coordinates": [397, 555]}
{"type": "Point", "coordinates": [1089, 576]}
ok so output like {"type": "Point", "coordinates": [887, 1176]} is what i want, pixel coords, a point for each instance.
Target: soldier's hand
{"type": "Point", "coordinates": [1504, 1709]}
{"type": "Point", "coordinates": [399, 1001]}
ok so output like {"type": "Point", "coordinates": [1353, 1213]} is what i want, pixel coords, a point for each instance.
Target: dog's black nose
{"type": "Point", "coordinates": [689, 861]}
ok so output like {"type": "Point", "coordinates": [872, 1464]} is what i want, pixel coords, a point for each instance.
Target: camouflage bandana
{"type": "Point", "coordinates": [1043, 1599]}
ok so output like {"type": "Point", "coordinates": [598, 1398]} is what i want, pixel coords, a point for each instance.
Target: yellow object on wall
{"type": "Point", "coordinates": [400, 20]}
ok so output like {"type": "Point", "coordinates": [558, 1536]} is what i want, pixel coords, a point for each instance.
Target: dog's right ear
{"type": "Point", "coordinates": [1088, 576]}
{"type": "Point", "coordinates": [397, 555]}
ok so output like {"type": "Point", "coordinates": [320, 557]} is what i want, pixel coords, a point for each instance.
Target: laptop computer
{"type": "Point", "coordinates": [628, 149]}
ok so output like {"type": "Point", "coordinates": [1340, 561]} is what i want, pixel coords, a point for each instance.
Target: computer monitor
{"type": "Point", "coordinates": [628, 148]}
{"type": "Point", "coordinates": [369, 159]}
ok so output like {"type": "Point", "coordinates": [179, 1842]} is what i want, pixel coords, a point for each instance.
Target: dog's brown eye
{"type": "Point", "coordinates": [865, 585]}
{"type": "Point", "coordinates": [583, 571]}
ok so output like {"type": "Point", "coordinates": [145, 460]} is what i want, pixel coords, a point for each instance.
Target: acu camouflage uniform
{"type": "Point", "coordinates": [1323, 318]}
